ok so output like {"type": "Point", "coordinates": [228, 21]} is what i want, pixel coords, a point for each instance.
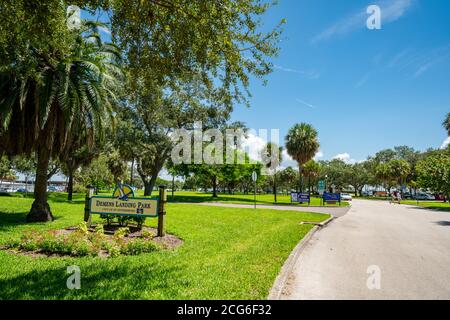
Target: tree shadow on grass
{"type": "Point", "coordinates": [98, 281]}
{"type": "Point", "coordinates": [12, 219]}
{"type": "Point", "coordinates": [220, 198]}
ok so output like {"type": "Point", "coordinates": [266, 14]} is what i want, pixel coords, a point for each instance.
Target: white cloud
{"type": "Point", "coordinates": [253, 145]}
{"type": "Point", "coordinates": [318, 156]}
{"type": "Point", "coordinates": [418, 62]}
{"type": "Point", "coordinates": [344, 157]}
{"type": "Point", "coordinates": [390, 11]}
{"type": "Point", "coordinates": [308, 74]}
{"type": "Point", "coordinates": [289, 162]}
{"type": "Point", "coordinates": [446, 143]}
{"type": "Point", "coordinates": [306, 103]}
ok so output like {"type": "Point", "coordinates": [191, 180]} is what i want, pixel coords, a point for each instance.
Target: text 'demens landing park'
{"type": "Point", "coordinates": [224, 150]}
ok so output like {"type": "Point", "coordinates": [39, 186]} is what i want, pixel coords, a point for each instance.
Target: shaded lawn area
{"type": "Point", "coordinates": [227, 254]}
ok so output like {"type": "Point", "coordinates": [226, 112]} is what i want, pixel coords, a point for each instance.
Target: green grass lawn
{"type": "Point", "coordinates": [443, 206]}
{"type": "Point", "coordinates": [268, 199]}
{"type": "Point", "coordinates": [227, 254]}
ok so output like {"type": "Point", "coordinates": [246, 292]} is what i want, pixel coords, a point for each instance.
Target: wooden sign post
{"type": "Point", "coordinates": [87, 204]}
{"type": "Point", "coordinates": [162, 210]}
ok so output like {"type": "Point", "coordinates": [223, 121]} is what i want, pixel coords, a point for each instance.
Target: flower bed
{"type": "Point", "coordinates": [99, 241]}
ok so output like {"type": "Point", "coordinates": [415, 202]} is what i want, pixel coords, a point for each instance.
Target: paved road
{"type": "Point", "coordinates": [335, 211]}
{"type": "Point", "coordinates": [409, 245]}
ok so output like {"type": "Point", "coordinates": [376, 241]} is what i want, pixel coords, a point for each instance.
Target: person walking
{"type": "Point", "coordinates": [399, 197]}
{"type": "Point", "coordinates": [393, 197]}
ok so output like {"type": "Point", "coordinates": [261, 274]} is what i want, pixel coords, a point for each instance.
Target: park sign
{"type": "Point", "coordinates": [300, 197]}
{"type": "Point", "coordinates": [123, 203]}
{"type": "Point", "coordinates": [141, 207]}
{"type": "Point", "coordinates": [331, 197]}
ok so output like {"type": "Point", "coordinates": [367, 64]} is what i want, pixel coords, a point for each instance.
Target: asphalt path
{"type": "Point", "coordinates": [376, 251]}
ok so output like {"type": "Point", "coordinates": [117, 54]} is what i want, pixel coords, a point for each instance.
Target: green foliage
{"type": "Point", "coordinates": [96, 173]}
{"type": "Point", "coordinates": [137, 247]}
{"type": "Point", "coordinates": [5, 169]}
{"type": "Point", "coordinates": [337, 172]}
{"type": "Point", "coordinates": [446, 123]}
{"type": "Point", "coordinates": [83, 228]}
{"type": "Point", "coordinates": [434, 172]}
{"type": "Point", "coordinates": [99, 229]}
{"type": "Point", "coordinates": [122, 233]}
{"type": "Point", "coordinates": [302, 143]}
{"type": "Point", "coordinates": [116, 165]}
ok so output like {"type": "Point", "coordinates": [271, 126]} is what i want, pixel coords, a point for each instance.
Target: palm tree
{"type": "Point", "coordinates": [302, 144]}
{"type": "Point", "coordinates": [383, 173]}
{"type": "Point", "coordinates": [40, 111]}
{"type": "Point", "coordinates": [311, 169]}
{"type": "Point", "coordinates": [399, 171]}
{"type": "Point", "coordinates": [272, 156]}
{"type": "Point", "coordinates": [446, 123]}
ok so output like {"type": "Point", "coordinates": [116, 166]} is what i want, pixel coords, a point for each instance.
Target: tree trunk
{"type": "Point", "coordinates": [40, 210]}
{"type": "Point", "coordinates": [173, 188]}
{"type": "Point", "coordinates": [131, 175]}
{"type": "Point", "coordinates": [301, 177]}
{"type": "Point", "coordinates": [70, 186]}
{"type": "Point", "coordinates": [149, 185]}
{"type": "Point", "coordinates": [214, 187]}
{"type": "Point", "coordinates": [309, 184]}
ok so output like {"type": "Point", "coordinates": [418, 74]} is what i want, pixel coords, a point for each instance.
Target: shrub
{"type": "Point", "coordinates": [79, 243]}
{"type": "Point", "coordinates": [122, 233]}
{"type": "Point", "coordinates": [99, 229]}
{"type": "Point", "coordinates": [83, 227]}
{"type": "Point", "coordinates": [147, 234]}
{"type": "Point", "coordinates": [138, 246]}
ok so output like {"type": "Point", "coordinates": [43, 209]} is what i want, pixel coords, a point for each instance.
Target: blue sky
{"type": "Point", "coordinates": [364, 90]}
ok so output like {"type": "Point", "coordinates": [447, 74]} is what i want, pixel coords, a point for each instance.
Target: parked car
{"type": "Point", "coordinates": [424, 196]}
{"type": "Point", "coordinates": [439, 197]}
{"type": "Point", "coordinates": [22, 190]}
{"type": "Point", "coordinates": [407, 195]}
{"type": "Point", "coordinates": [346, 197]}
{"type": "Point", "coordinates": [6, 190]}
{"type": "Point", "coordinates": [52, 189]}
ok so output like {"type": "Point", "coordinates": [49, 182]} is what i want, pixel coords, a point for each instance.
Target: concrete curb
{"type": "Point", "coordinates": [281, 280]}
{"type": "Point", "coordinates": [320, 224]}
